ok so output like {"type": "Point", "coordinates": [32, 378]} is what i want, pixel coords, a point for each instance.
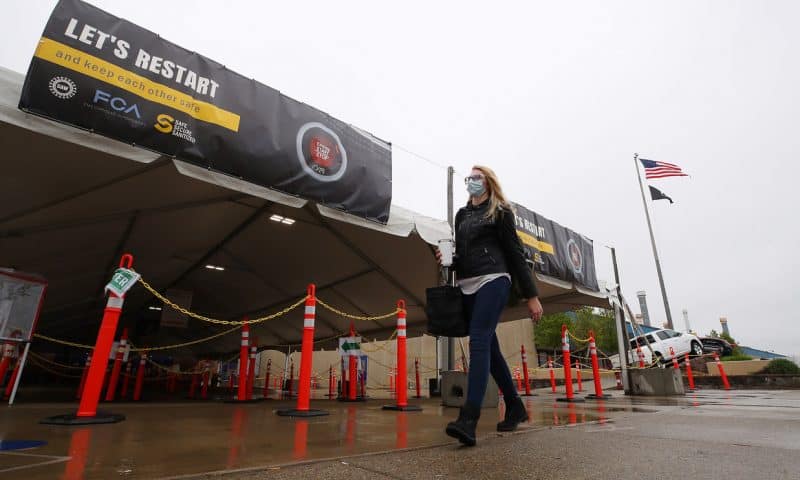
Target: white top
{"type": "Point", "coordinates": [471, 285]}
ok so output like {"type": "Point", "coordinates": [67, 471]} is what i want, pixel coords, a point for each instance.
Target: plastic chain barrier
{"type": "Point", "coordinates": [35, 361]}
{"type": "Point", "coordinates": [166, 301]}
{"type": "Point", "coordinates": [582, 340]}
{"type": "Point", "coordinates": [44, 359]}
{"type": "Point", "coordinates": [358, 317]}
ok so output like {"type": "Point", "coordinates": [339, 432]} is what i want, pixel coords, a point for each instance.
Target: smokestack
{"type": "Point", "coordinates": [724, 322]}
{"type": "Point", "coordinates": [686, 320]}
{"type": "Point", "coordinates": [643, 306]}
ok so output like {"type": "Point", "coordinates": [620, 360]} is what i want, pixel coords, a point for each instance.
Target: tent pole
{"type": "Point", "coordinates": [622, 332]}
{"type": "Point", "coordinates": [451, 342]}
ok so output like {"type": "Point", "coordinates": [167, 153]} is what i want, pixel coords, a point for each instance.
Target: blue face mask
{"type": "Point", "coordinates": [476, 188]}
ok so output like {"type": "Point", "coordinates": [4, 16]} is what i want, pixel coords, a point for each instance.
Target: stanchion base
{"type": "Point", "coordinates": [292, 412]}
{"type": "Point", "coordinates": [72, 419]}
{"type": "Point", "coordinates": [407, 408]}
{"type": "Point", "coordinates": [592, 396]}
{"type": "Point", "coordinates": [570, 400]}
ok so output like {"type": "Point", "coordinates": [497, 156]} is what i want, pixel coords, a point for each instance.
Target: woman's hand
{"type": "Point", "coordinates": [535, 309]}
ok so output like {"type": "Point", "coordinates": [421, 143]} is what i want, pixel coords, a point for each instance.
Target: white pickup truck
{"type": "Point", "coordinates": [665, 344]}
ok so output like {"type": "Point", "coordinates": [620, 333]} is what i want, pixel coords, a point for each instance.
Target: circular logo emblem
{"type": "Point", "coordinates": [575, 256]}
{"type": "Point", "coordinates": [63, 87]}
{"type": "Point", "coordinates": [320, 152]}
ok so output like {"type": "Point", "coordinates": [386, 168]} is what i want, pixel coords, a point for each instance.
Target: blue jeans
{"type": "Point", "coordinates": [484, 309]}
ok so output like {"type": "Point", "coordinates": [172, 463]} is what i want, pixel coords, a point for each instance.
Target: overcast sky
{"type": "Point", "coordinates": [556, 97]}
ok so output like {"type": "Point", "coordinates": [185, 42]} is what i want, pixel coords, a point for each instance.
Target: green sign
{"type": "Point", "coordinates": [350, 346]}
{"type": "Point", "coordinates": [122, 281]}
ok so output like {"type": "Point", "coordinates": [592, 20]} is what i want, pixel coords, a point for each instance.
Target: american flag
{"type": "Point", "coordinates": [654, 169]}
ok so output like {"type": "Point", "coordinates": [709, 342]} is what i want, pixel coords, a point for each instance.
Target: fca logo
{"type": "Point", "coordinates": [116, 103]}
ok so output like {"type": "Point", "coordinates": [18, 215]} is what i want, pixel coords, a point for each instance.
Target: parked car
{"type": "Point", "coordinates": [718, 345]}
{"type": "Point", "coordinates": [665, 345]}
{"type": "Point", "coordinates": [633, 356]}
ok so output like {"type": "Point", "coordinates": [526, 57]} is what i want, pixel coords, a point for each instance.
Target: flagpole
{"type": "Point", "coordinates": [653, 242]}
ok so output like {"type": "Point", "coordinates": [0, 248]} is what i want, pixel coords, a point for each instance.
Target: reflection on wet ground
{"type": "Point", "coordinates": [168, 439]}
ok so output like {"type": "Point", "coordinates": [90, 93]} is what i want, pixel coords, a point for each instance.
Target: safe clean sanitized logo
{"type": "Point", "coordinates": [62, 87]}
{"type": "Point", "coordinates": [171, 126]}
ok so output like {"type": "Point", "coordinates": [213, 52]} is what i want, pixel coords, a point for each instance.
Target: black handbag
{"type": "Point", "coordinates": [445, 312]}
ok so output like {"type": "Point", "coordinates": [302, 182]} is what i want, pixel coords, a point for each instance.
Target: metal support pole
{"type": "Point", "coordinates": [451, 342]}
{"type": "Point", "coordinates": [622, 332]}
{"type": "Point", "coordinates": [653, 242]}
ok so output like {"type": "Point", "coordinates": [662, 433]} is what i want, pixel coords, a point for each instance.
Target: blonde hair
{"type": "Point", "coordinates": [496, 196]}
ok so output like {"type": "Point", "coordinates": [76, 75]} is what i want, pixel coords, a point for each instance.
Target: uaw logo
{"type": "Point", "coordinates": [320, 152]}
{"type": "Point", "coordinates": [62, 87]}
{"type": "Point", "coordinates": [575, 257]}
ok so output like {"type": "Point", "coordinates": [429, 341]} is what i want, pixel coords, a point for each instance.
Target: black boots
{"type": "Point", "coordinates": [515, 414]}
{"type": "Point", "coordinates": [464, 428]}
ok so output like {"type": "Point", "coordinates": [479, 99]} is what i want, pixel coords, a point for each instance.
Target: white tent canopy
{"type": "Point", "coordinates": [73, 202]}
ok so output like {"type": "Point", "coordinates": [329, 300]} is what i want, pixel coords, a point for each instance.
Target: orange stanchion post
{"type": "Point", "coordinates": [243, 361]}
{"type": "Point", "coordinates": [518, 376]}
{"type": "Point", "coordinates": [689, 375]}
{"type": "Point", "coordinates": [126, 379]}
{"type": "Point", "coordinates": [724, 377]}
{"type": "Point", "coordinates": [353, 367]}
{"type": "Point", "coordinates": [525, 374]}
{"type": "Point", "coordinates": [578, 374]}
{"type": "Point", "coordinates": [251, 369]}
{"type": "Point", "coordinates": [266, 378]}
{"type": "Point", "coordinates": [303, 408]}
{"type": "Point", "coordinates": [402, 374]}
{"type": "Point", "coordinates": [416, 378]}
{"type": "Point", "coordinates": [675, 365]}
{"type": "Point", "coordinates": [640, 354]}
{"type": "Point", "coordinates": [137, 389]}
{"type": "Point", "coordinates": [87, 409]}
{"type": "Point", "coordinates": [552, 375]}
{"type": "Point", "coordinates": [112, 383]}
{"type": "Point", "coordinates": [598, 387]}
{"type": "Point", "coordinates": [567, 368]}
{"type": "Point", "coordinates": [13, 379]}
{"type": "Point", "coordinates": [83, 377]}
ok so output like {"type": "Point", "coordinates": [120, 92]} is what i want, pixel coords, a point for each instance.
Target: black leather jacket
{"type": "Point", "coordinates": [485, 246]}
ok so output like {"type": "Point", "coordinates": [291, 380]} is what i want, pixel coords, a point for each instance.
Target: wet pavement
{"type": "Point", "coordinates": [712, 434]}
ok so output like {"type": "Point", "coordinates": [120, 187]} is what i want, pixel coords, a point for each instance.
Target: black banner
{"type": "Point", "coordinates": [107, 75]}
{"type": "Point", "coordinates": [556, 251]}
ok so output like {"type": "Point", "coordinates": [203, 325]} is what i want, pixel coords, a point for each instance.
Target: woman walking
{"type": "Point", "coordinates": [488, 256]}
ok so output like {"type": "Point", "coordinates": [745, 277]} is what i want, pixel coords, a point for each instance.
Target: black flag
{"type": "Point", "coordinates": [657, 194]}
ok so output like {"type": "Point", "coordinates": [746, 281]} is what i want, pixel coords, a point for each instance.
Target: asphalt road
{"type": "Point", "coordinates": [712, 435]}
